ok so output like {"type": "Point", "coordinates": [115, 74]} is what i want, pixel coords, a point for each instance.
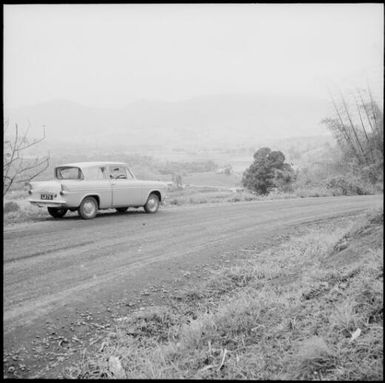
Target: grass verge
{"type": "Point", "coordinates": [191, 195]}
{"type": "Point", "coordinates": [198, 195]}
{"type": "Point", "coordinates": [310, 309]}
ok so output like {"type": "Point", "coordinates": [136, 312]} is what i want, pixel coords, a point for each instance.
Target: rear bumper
{"type": "Point", "coordinates": [41, 203]}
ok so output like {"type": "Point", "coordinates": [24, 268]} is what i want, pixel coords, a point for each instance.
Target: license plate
{"type": "Point", "coordinates": [46, 196]}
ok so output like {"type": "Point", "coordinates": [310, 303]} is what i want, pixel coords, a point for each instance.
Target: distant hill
{"type": "Point", "coordinates": [207, 121]}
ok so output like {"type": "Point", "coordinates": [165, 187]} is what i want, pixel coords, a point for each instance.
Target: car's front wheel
{"type": "Point", "coordinates": [152, 204]}
{"type": "Point", "coordinates": [88, 208]}
{"type": "Point", "coordinates": [57, 212]}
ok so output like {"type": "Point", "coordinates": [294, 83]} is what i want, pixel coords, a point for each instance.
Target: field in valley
{"type": "Point", "coordinates": [213, 179]}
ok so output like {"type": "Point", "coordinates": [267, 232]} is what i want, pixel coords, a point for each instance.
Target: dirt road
{"type": "Point", "coordinates": [55, 269]}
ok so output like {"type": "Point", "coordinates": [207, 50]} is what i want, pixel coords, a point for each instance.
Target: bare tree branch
{"type": "Point", "coordinates": [15, 168]}
{"type": "Point", "coordinates": [342, 127]}
{"type": "Point", "coordinates": [372, 103]}
{"type": "Point", "coordinates": [46, 160]}
{"type": "Point", "coordinates": [360, 140]}
{"type": "Point", "coordinates": [7, 164]}
{"type": "Point", "coordinates": [33, 143]}
{"type": "Point", "coordinates": [34, 166]}
{"type": "Point", "coordinates": [12, 149]}
{"type": "Point", "coordinates": [369, 147]}
{"type": "Point", "coordinates": [365, 107]}
{"type": "Point", "coordinates": [362, 122]}
{"type": "Point", "coordinates": [352, 125]}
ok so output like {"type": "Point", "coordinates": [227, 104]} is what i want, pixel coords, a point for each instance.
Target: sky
{"type": "Point", "coordinates": [109, 55]}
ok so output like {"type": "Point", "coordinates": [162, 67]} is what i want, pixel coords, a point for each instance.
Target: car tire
{"type": "Point", "coordinates": [88, 208]}
{"type": "Point", "coordinates": [57, 212]}
{"type": "Point", "coordinates": [152, 204]}
{"type": "Point", "coordinates": [121, 209]}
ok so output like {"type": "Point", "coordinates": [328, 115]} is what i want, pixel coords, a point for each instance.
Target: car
{"type": "Point", "coordinates": [87, 187]}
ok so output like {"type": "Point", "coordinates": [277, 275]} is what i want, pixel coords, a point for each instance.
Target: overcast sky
{"type": "Point", "coordinates": [110, 55]}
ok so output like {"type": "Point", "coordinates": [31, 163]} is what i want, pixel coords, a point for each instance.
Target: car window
{"type": "Point", "coordinates": [118, 172]}
{"type": "Point", "coordinates": [130, 176]}
{"type": "Point", "coordinates": [68, 173]}
{"type": "Point", "coordinates": [94, 173]}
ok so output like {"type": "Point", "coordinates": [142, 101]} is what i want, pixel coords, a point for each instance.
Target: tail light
{"type": "Point", "coordinates": [28, 187]}
{"type": "Point", "coordinates": [63, 189]}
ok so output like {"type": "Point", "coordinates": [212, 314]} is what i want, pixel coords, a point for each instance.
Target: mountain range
{"type": "Point", "coordinates": [200, 122]}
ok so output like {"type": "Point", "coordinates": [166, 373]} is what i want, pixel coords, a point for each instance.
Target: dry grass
{"type": "Point", "coordinates": [199, 195]}
{"type": "Point", "coordinates": [287, 313]}
{"type": "Point", "coordinates": [25, 213]}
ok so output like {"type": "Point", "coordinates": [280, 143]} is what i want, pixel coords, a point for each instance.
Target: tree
{"type": "Point", "coordinates": [17, 166]}
{"type": "Point", "coordinates": [228, 169]}
{"type": "Point", "coordinates": [268, 171]}
{"type": "Point", "coordinates": [359, 130]}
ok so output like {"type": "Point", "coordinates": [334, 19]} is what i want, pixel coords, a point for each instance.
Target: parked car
{"type": "Point", "coordinates": [91, 186]}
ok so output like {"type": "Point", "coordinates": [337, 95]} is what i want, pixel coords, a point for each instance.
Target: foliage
{"type": "Point", "coordinates": [268, 171]}
{"type": "Point", "coordinates": [347, 186]}
{"type": "Point", "coordinates": [358, 129]}
{"type": "Point", "coordinates": [17, 167]}
{"type": "Point", "coordinates": [11, 206]}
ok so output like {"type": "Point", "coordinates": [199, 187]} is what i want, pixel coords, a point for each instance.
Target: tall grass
{"type": "Point", "coordinates": [287, 313]}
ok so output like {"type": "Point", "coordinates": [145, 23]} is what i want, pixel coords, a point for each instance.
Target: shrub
{"type": "Point", "coordinates": [345, 185]}
{"type": "Point", "coordinates": [11, 207]}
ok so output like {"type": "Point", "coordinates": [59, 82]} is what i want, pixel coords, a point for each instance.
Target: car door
{"type": "Point", "coordinates": [97, 182]}
{"type": "Point", "coordinates": [126, 190]}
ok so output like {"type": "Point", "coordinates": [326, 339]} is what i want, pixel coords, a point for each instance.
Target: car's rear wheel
{"type": "Point", "coordinates": [121, 209]}
{"type": "Point", "coordinates": [88, 208]}
{"type": "Point", "coordinates": [57, 212]}
{"type": "Point", "coordinates": [152, 204]}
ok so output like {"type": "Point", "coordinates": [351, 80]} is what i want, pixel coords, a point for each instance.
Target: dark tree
{"type": "Point", "coordinates": [268, 171]}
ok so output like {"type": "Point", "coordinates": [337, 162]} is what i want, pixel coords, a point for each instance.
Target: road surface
{"type": "Point", "coordinates": [54, 267]}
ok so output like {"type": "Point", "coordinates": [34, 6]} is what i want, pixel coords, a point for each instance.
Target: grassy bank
{"type": "Point", "coordinates": [309, 309]}
{"type": "Point", "coordinates": [199, 195]}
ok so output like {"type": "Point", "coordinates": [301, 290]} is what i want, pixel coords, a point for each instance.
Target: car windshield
{"type": "Point", "coordinates": [68, 173]}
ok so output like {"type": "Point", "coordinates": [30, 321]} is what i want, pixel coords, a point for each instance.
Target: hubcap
{"type": "Point", "coordinates": [89, 208]}
{"type": "Point", "coordinates": [152, 203]}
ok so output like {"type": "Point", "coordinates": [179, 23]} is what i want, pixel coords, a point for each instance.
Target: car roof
{"type": "Point", "coordinates": [93, 163]}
